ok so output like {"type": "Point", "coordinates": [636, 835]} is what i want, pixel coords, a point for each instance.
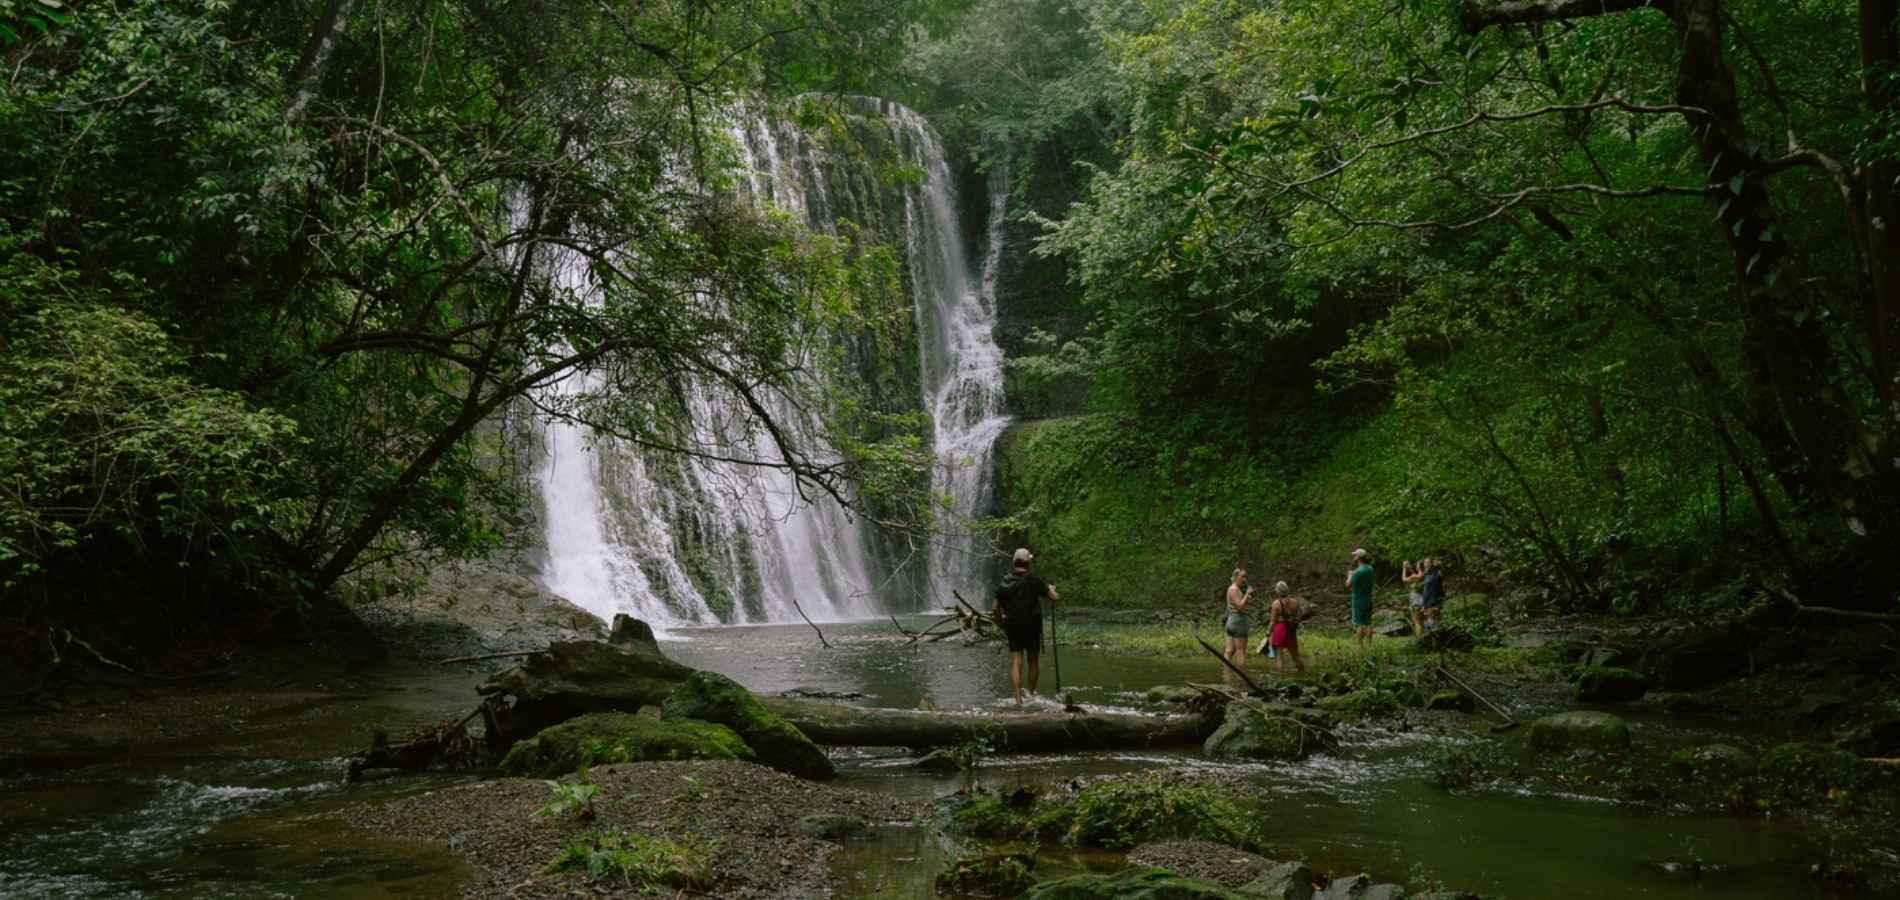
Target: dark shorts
{"type": "Point", "coordinates": [1361, 612]}
{"type": "Point", "coordinates": [1024, 635]}
{"type": "Point", "coordinates": [1434, 602]}
{"type": "Point", "coordinates": [1237, 624]}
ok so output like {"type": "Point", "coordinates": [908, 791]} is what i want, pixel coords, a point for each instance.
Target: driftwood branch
{"type": "Point", "coordinates": [512, 654]}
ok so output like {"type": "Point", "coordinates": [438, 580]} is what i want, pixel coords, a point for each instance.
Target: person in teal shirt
{"type": "Point", "coordinates": [1359, 579]}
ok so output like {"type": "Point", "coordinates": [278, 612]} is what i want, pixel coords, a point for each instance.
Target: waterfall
{"type": "Point", "coordinates": [678, 540]}
{"type": "Point", "coordinates": [961, 364]}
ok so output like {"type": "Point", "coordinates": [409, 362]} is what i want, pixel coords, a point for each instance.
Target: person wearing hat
{"type": "Point", "coordinates": [1359, 580]}
{"type": "Point", "coordinates": [1018, 605]}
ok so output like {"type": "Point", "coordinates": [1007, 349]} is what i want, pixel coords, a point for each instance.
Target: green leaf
{"type": "Point", "coordinates": [1735, 185]}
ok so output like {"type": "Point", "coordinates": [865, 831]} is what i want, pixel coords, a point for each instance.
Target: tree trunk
{"type": "Point", "coordinates": [1809, 426]}
{"type": "Point", "coordinates": [1874, 209]}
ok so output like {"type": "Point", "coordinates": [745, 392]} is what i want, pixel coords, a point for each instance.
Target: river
{"type": "Point", "coordinates": [242, 814]}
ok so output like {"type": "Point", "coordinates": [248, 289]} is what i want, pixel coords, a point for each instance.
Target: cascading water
{"type": "Point", "coordinates": [962, 366]}
{"type": "Point", "coordinates": [677, 540]}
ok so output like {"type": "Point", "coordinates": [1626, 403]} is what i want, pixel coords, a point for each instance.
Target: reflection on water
{"type": "Point", "coordinates": [244, 815]}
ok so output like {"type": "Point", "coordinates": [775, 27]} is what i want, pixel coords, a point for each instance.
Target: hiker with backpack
{"type": "Point", "coordinates": [1284, 616]}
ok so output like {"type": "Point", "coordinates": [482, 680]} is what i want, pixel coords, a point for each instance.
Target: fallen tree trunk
{"type": "Point", "coordinates": [574, 678]}
{"type": "Point", "coordinates": [840, 725]}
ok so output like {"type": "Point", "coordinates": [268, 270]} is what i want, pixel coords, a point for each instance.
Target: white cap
{"type": "Point", "coordinates": [1359, 553]}
{"type": "Point", "coordinates": [1023, 555]}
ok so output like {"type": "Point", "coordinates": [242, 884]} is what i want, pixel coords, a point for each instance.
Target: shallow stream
{"type": "Point", "coordinates": [243, 814]}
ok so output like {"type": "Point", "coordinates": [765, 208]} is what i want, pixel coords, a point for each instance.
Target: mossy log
{"type": "Point", "coordinates": [580, 677]}
{"type": "Point", "coordinates": [574, 678]}
{"type": "Point", "coordinates": [1039, 732]}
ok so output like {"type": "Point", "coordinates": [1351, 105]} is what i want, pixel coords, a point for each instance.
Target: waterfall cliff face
{"type": "Point", "coordinates": [677, 540]}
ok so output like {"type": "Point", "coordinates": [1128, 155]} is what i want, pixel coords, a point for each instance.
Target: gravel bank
{"type": "Point", "coordinates": [752, 811]}
{"type": "Point", "coordinates": [1206, 860]}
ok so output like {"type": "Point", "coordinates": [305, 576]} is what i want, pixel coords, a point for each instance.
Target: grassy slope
{"type": "Point", "coordinates": [1115, 538]}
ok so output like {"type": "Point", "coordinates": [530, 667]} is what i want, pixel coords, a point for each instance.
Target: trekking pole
{"type": "Point", "coordinates": [1055, 649]}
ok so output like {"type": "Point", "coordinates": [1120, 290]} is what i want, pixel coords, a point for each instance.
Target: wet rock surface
{"type": "Point", "coordinates": [1581, 729]}
{"type": "Point", "coordinates": [711, 697]}
{"type": "Point", "coordinates": [472, 608]}
{"type": "Point", "coordinates": [753, 812]}
{"type": "Point", "coordinates": [1286, 881]}
{"type": "Point", "coordinates": [1610, 684]}
{"type": "Point", "coordinates": [1270, 732]}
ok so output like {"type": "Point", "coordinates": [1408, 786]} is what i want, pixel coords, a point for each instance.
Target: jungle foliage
{"type": "Point", "coordinates": [1599, 296]}
{"type": "Point", "coordinates": [278, 282]}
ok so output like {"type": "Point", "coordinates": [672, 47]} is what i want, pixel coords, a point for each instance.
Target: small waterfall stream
{"type": "Point", "coordinates": [679, 541]}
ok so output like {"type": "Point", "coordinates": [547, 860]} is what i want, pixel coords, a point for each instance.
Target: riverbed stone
{"type": "Point", "coordinates": [633, 634]}
{"type": "Point", "coordinates": [1286, 881]}
{"type": "Point", "coordinates": [604, 738]}
{"type": "Point", "coordinates": [1581, 728]}
{"type": "Point", "coordinates": [712, 697]}
{"type": "Point", "coordinates": [1277, 733]}
{"type": "Point", "coordinates": [1610, 684]}
{"type": "Point", "coordinates": [1350, 887]}
{"type": "Point", "coordinates": [1131, 884]}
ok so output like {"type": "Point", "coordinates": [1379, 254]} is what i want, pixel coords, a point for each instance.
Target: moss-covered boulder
{"type": "Point", "coordinates": [1581, 729]}
{"type": "Point", "coordinates": [1131, 884]}
{"type": "Point", "coordinates": [1276, 732]}
{"type": "Point", "coordinates": [603, 738]}
{"type": "Point", "coordinates": [712, 697]}
{"type": "Point", "coordinates": [1610, 684]}
{"type": "Point", "coordinates": [1803, 774]}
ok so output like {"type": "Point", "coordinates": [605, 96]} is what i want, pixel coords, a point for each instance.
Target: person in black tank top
{"type": "Point", "coordinates": [1017, 604]}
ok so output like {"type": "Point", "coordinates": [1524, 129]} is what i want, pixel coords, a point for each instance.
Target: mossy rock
{"type": "Point", "coordinates": [1720, 762]}
{"type": "Point", "coordinates": [712, 697]}
{"type": "Point", "coordinates": [1286, 881]}
{"type": "Point", "coordinates": [1124, 813]}
{"type": "Point", "coordinates": [1457, 701]}
{"type": "Point", "coordinates": [1802, 774]}
{"type": "Point", "coordinates": [1610, 684]}
{"type": "Point", "coordinates": [1581, 729]}
{"type": "Point", "coordinates": [1289, 733]}
{"type": "Point", "coordinates": [1131, 884]}
{"type": "Point", "coordinates": [991, 816]}
{"type": "Point", "coordinates": [1366, 701]}
{"type": "Point", "coordinates": [604, 738]}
